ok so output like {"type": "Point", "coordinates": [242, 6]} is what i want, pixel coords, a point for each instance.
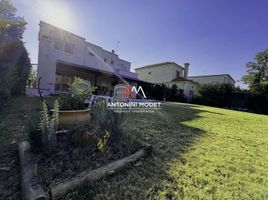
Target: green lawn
{"type": "Point", "coordinates": [199, 153]}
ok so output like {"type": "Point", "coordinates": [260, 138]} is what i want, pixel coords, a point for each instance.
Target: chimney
{"type": "Point", "coordinates": [186, 69]}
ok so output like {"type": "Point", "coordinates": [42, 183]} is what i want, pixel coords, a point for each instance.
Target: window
{"type": "Point", "coordinates": [105, 59]}
{"type": "Point", "coordinates": [178, 73]}
{"type": "Point", "coordinates": [112, 62]}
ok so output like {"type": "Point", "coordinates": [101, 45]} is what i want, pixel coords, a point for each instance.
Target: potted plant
{"type": "Point", "coordinates": [73, 109]}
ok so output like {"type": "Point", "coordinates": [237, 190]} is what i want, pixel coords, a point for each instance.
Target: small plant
{"type": "Point", "coordinates": [109, 120]}
{"type": "Point", "coordinates": [33, 131]}
{"type": "Point", "coordinates": [77, 93]}
{"type": "Point", "coordinates": [103, 141]}
{"type": "Point", "coordinates": [48, 125]}
{"type": "Point", "coordinates": [84, 136]}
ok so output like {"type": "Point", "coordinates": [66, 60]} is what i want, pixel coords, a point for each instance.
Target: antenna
{"type": "Point", "coordinates": [117, 44]}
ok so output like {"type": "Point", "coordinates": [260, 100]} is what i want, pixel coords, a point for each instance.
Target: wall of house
{"type": "Point", "coordinates": [213, 79]}
{"type": "Point", "coordinates": [160, 73]}
{"type": "Point", "coordinates": [58, 45]}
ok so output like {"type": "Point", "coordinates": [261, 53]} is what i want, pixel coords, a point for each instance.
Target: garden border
{"type": "Point", "coordinates": [61, 189]}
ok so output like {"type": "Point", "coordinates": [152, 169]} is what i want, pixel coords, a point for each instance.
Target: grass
{"type": "Point", "coordinates": [13, 117]}
{"type": "Point", "coordinates": [199, 153]}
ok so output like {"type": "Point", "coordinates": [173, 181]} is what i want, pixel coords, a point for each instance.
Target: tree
{"type": "Point", "coordinates": [257, 70]}
{"type": "Point", "coordinates": [14, 61]}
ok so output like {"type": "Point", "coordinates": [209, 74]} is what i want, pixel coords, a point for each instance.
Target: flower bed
{"type": "Point", "coordinates": [67, 160]}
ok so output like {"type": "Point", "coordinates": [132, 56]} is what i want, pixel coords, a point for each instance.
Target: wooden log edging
{"type": "Point", "coordinates": [30, 185]}
{"type": "Point", "coordinates": [61, 189]}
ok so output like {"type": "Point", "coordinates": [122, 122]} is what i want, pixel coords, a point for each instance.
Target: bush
{"type": "Point", "coordinates": [258, 99]}
{"type": "Point", "coordinates": [75, 98]}
{"type": "Point", "coordinates": [85, 136]}
{"type": "Point", "coordinates": [32, 126]}
{"type": "Point", "coordinates": [218, 95]}
{"type": "Point", "coordinates": [224, 95]}
{"type": "Point", "coordinates": [108, 120]}
{"type": "Point", "coordinates": [7, 81]}
{"type": "Point", "coordinates": [161, 92]}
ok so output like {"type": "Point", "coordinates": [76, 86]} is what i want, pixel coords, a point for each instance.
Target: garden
{"type": "Point", "coordinates": [70, 143]}
{"type": "Point", "coordinates": [199, 152]}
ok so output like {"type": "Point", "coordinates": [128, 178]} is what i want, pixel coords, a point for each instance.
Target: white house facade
{"type": "Point", "coordinates": [63, 55]}
{"type": "Point", "coordinates": [169, 73]}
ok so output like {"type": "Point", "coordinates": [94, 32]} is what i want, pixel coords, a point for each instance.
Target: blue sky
{"type": "Point", "coordinates": [214, 36]}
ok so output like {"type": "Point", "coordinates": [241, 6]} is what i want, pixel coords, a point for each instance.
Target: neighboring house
{"type": "Point", "coordinates": [64, 55]}
{"type": "Point", "coordinates": [169, 73]}
{"type": "Point", "coordinates": [213, 79]}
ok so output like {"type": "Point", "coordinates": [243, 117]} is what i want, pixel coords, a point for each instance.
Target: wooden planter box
{"type": "Point", "coordinates": [69, 118]}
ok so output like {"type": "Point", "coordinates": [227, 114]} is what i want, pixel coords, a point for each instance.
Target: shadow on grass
{"type": "Point", "coordinates": [170, 139]}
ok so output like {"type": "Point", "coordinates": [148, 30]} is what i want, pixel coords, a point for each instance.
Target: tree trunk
{"type": "Point", "coordinates": [93, 175]}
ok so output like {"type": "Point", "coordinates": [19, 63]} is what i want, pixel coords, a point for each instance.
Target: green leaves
{"type": "Point", "coordinates": [78, 91]}
{"type": "Point", "coordinates": [49, 124]}
{"type": "Point", "coordinates": [257, 70]}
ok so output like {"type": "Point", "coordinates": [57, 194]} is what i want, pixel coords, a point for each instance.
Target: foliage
{"type": "Point", "coordinates": [103, 141]}
{"type": "Point", "coordinates": [258, 99]}
{"type": "Point", "coordinates": [32, 79]}
{"type": "Point", "coordinates": [48, 125]}
{"type": "Point", "coordinates": [215, 94]}
{"type": "Point", "coordinates": [7, 80]}
{"type": "Point", "coordinates": [257, 70]}
{"type": "Point", "coordinates": [75, 98]}
{"type": "Point", "coordinates": [11, 25]}
{"type": "Point", "coordinates": [85, 136]}
{"type": "Point", "coordinates": [161, 92]}
{"type": "Point", "coordinates": [33, 131]}
{"type": "Point", "coordinates": [108, 120]}
{"type": "Point", "coordinates": [15, 63]}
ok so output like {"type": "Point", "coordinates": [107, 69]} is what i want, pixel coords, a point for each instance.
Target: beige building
{"type": "Point", "coordinates": [213, 79]}
{"type": "Point", "coordinates": [169, 73]}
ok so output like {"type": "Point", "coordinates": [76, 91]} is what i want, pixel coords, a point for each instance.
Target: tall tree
{"type": "Point", "coordinates": [14, 61]}
{"type": "Point", "coordinates": [257, 70]}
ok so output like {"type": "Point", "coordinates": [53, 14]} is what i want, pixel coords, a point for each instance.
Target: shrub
{"type": "Point", "coordinates": [108, 120]}
{"type": "Point", "coordinates": [33, 131]}
{"type": "Point", "coordinates": [214, 94]}
{"type": "Point", "coordinates": [85, 136]}
{"type": "Point", "coordinates": [258, 99]}
{"type": "Point", "coordinates": [75, 98]}
{"type": "Point", "coordinates": [161, 92]}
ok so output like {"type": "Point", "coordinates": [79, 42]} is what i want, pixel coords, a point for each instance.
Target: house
{"type": "Point", "coordinates": [63, 55]}
{"type": "Point", "coordinates": [169, 73]}
{"type": "Point", "coordinates": [213, 79]}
